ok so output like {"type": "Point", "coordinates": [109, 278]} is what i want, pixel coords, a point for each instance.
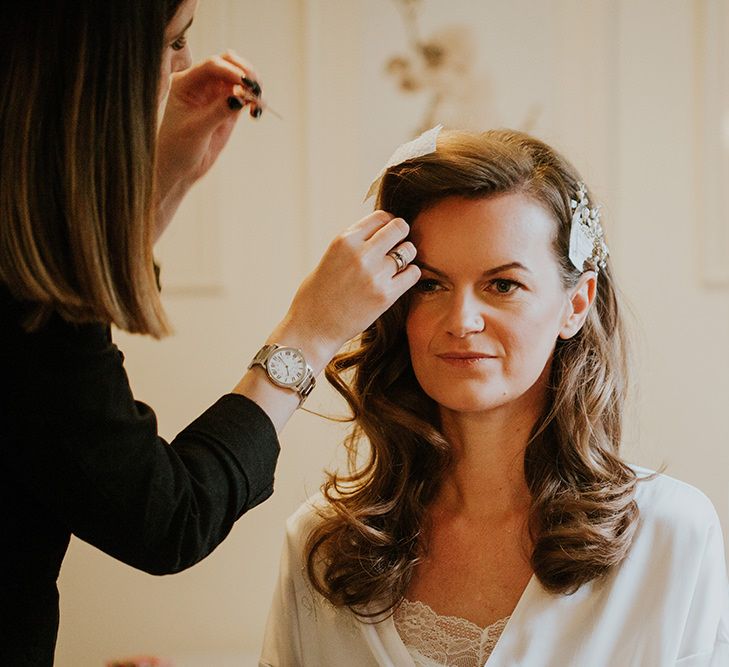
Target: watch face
{"type": "Point", "coordinates": [287, 366]}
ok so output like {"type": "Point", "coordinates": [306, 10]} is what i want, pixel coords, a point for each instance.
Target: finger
{"type": "Point", "coordinates": [215, 113]}
{"type": "Point", "coordinates": [233, 58]}
{"type": "Point", "coordinates": [251, 81]}
{"type": "Point", "coordinates": [236, 103]}
{"type": "Point", "coordinates": [407, 251]}
{"type": "Point", "coordinates": [403, 281]}
{"type": "Point", "coordinates": [388, 236]}
{"type": "Point", "coordinates": [363, 230]}
{"type": "Point", "coordinates": [245, 95]}
{"type": "Point", "coordinates": [215, 68]}
{"type": "Point", "coordinates": [402, 255]}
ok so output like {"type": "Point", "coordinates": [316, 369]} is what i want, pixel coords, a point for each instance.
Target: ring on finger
{"type": "Point", "coordinates": [400, 261]}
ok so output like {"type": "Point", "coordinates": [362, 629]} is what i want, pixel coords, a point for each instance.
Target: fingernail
{"type": "Point", "coordinates": [234, 104]}
{"type": "Point", "coordinates": [256, 113]}
{"type": "Point", "coordinates": [254, 87]}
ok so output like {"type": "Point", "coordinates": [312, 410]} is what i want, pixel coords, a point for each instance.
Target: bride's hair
{"type": "Point", "coordinates": [364, 550]}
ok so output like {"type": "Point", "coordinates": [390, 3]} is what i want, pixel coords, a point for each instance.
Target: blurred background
{"type": "Point", "coordinates": [634, 92]}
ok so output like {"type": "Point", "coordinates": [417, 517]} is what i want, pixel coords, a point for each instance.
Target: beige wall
{"type": "Point", "coordinates": [624, 105]}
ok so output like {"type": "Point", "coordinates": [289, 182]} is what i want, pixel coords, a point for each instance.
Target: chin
{"type": "Point", "coordinates": [480, 401]}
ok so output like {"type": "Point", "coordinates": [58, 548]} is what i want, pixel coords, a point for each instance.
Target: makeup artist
{"type": "Point", "coordinates": [87, 183]}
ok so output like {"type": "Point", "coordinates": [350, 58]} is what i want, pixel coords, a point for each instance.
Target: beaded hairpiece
{"type": "Point", "coordinates": [587, 240]}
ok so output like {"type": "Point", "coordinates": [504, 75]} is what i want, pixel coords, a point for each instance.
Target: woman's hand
{"type": "Point", "coordinates": [354, 283]}
{"type": "Point", "coordinates": [197, 122]}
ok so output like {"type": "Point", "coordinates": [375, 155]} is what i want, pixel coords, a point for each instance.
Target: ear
{"type": "Point", "coordinates": [583, 294]}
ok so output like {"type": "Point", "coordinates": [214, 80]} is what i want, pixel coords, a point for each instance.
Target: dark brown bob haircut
{"type": "Point", "coordinates": [78, 112]}
{"type": "Point", "coordinates": [372, 533]}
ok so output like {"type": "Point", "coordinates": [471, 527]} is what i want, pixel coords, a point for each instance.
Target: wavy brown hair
{"type": "Point", "coordinates": [78, 116]}
{"type": "Point", "coordinates": [371, 536]}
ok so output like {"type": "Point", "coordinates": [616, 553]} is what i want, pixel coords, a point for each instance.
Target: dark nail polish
{"type": "Point", "coordinates": [252, 85]}
{"type": "Point", "coordinates": [234, 103]}
{"type": "Point", "coordinates": [257, 112]}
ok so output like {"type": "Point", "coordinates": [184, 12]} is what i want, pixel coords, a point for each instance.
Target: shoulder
{"type": "Point", "coordinates": [60, 365]}
{"type": "Point", "coordinates": [669, 504]}
{"type": "Point", "coordinates": [54, 338]}
{"type": "Point", "coordinates": [306, 519]}
{"type": "Point", "coordinates": [299, 527]}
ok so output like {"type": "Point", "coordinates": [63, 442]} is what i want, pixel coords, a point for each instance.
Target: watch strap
{"type": "Point", "coordinates": [303, 387]}
{"type": "Point", "coordinates": [261, 357]}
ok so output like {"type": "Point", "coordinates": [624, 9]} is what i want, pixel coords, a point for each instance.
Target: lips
{"type": "Point", "coordinates": [465, 355]}
{"type": "Point", "coordinates": [469, 359]}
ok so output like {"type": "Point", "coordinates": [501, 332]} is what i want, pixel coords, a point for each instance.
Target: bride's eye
{"type": "Point", "coordinates": [427, 285]}
{"type": "Point", "coordinates": [504, 286]}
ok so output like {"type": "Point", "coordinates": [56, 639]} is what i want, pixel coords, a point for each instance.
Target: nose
{"type": "Point", "coordinates": [465, 315]}
{"type": "Point", "coordinates": [182, 59]}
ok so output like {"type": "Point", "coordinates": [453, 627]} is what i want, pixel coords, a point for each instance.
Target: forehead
{"type": "Point", "coordinates": [485, 232]}
{"type": "Point", "coordinates": [184, 14]}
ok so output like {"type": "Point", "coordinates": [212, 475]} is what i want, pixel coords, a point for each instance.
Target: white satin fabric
{"type": "Point", "coordinates": [666, 605]}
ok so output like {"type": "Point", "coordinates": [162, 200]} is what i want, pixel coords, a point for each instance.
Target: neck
{"type": "Point", "coordinates": [486, 477]}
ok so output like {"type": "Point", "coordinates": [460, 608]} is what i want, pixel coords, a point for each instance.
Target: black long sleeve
{"type": "Point", "coordinates": [80, 456]}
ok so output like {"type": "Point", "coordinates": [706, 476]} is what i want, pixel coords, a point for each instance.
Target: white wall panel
{"type": "Point", "coordinates": [630, 90]}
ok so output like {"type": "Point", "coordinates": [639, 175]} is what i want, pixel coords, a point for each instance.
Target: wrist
{"type": "Point", "coordinates": [170, 194]}
{"type": "Point", "coordinates": [171, 185]}
{"type": "Point", "coordinates": [286, 367]}
{"type": "Point", "coordinates": [316, 347]}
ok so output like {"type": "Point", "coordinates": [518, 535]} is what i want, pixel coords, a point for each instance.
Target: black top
{"type": "Point", "coordinates": [79, 455]}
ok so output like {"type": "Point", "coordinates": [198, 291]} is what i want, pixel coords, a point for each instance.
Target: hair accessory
{"type": "Point", "coordinates": [587, 240]}
{"type": "Point", "coordinates": [422, 145]}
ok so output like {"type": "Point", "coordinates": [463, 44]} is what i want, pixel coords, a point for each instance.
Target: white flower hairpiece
{"type": "Point", "coordinates": [587, 240]}
{"type": "Point", "coordinates": [422, 145]}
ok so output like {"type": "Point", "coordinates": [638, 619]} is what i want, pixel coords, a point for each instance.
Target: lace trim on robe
{"type": "Point", "coordinates": [437, 641]}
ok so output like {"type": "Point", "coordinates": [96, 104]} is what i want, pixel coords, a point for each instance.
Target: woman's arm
{"type": "Point", "coordinates": [353, 284]}
{"type": "Point", "coordinates": [355, 281]}
{"type": "Point", "coordinates": [91, 455]}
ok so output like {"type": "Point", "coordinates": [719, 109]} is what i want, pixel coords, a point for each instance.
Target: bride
{"type": "Point", "coordinates": [487, 516]}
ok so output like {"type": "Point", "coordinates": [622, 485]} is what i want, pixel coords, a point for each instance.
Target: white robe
{"type": "Point", "coordinates": [666, 605]}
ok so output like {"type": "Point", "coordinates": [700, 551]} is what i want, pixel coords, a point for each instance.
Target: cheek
{"type": "Point", "coordinates": [181, 60]}
{"type": "Point", "coordinates": [414, 344]}
{"type": "Point", "coordinates": [418, 328]}
{"type": "Point", "coordinates": [530, 339]}
{"type": "Point", "coordinates": [419, 336]}
{"type": "Point", "coordinates": [165, 74]}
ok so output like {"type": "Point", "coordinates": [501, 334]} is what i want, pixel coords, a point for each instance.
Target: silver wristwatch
{"type": "Point", "coordinates": [286, 367]}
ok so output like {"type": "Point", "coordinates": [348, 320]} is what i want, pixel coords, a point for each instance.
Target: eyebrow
{"type": "Point", "coordinates": [485, 274]}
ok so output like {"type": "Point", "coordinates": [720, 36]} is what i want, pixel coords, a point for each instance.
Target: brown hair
{"type": "Point", "coordinates": [583, 514]}
{"type": "Point", "coordinates": [78, 114]}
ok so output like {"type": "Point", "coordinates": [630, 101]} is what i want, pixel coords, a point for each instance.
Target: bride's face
{"type": "Point", "coordinates": [490, 305]}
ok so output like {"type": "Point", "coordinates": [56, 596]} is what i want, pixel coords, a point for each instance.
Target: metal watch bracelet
{"type": "Point", "coordinates": [303, 387]}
